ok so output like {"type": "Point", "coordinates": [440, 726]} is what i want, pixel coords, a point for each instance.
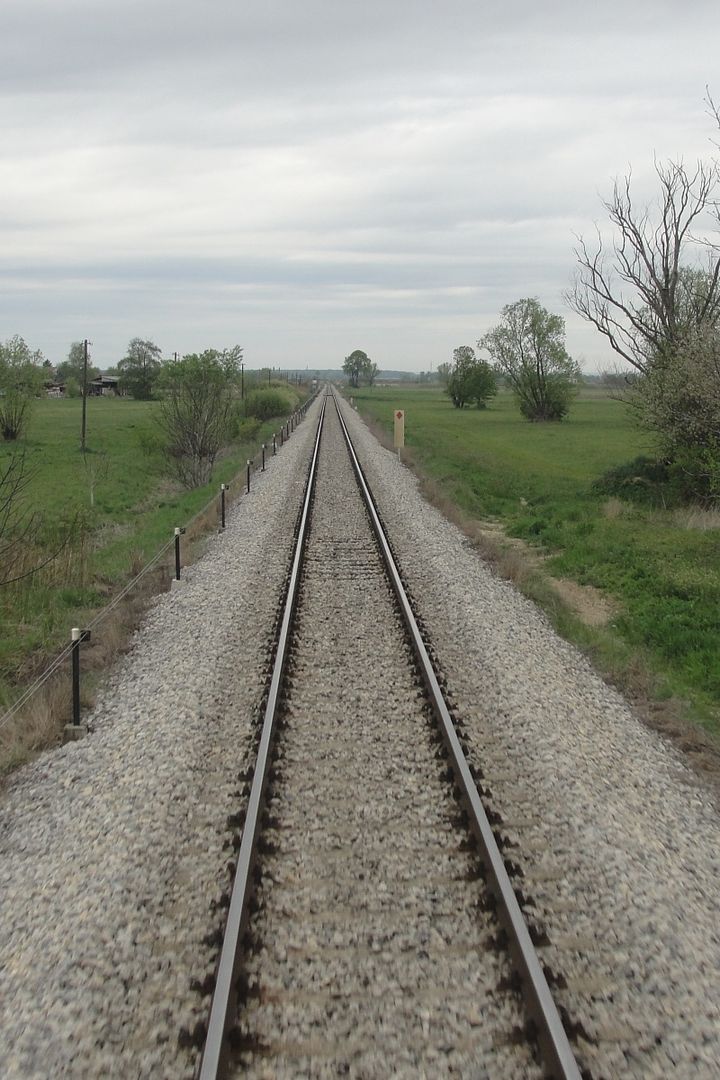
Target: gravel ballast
{"type": "Point", "coordinates": [113, 850]}
{"type": "Point", "coordinates": [616, 841]}
{"type": "Point", "coordinates": [112, 860]}
{"type": "Point", "coordinates": [374, 948]}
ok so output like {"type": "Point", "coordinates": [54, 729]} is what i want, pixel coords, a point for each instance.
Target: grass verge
{"type": "Point", "coordinates": [116, 508]}
{"type": "Point", "coordinates": [649, 577]}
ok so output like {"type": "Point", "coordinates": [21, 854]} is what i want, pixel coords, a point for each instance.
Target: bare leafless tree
{"type": "Point", "coordinates": [649, 290]}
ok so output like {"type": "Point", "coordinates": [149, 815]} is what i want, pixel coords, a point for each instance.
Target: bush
{"type": "Point", "coordinates": [470, 379]}
{"type": "Point", "coordinates": [679, 400]}
{"type": "Point", "coordinates": [695, 474]}
{"type": "Point", "coordinates": [643, 480]}
{"type": "Point", "coordinates": [73, 389]}
{"type": "Point", "coordinates": [264, 404]}
{"type": "Point", "coordinates": [246, 429]}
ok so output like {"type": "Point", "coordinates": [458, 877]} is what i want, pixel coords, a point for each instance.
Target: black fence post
{"type": "Point", "coordinates": [248, 476]}
{"type": "Point", "coordinates": [223, 489]}
{"type": "Point", "coordinates": [77, 637]}
{"type": "Point", "coordinates": [282, 434]}
{"type": "Point", "coordinates": [263, 458]}
{"type": "Point", "coordinates": [178, 534]}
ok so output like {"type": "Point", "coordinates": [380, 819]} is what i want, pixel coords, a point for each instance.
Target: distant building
{"type": "Point", "coordinates": [104, 385]}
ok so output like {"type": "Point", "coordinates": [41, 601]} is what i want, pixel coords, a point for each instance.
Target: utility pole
{"type": "Point", "coordinates": [242, 380]}
{"type": "Point", "coordinates": [84, 394]}
{"type": "Point", "coordinates": [176, 356]}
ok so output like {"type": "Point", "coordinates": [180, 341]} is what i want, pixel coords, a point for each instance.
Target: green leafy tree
{"type": "Point", "coordinates": [140, 368]}
{"type": "Point", "coordinates": [21, 380]}
{"type": "Point", "coordinates": [528, 349]}
{"type": "Point", "coordinates": [197, 410]}
{"type": "Point", "coordinates": [71, 370]}
{"type": "Point", "coordinates": [353, 365]}
{"type": "Point", "coordinates": [470, 379]}
{"type": "Point", "coordinates": [359, 367]}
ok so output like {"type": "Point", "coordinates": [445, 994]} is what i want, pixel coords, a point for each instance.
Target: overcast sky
{"type": "Point", "coordinates": [309, 178]}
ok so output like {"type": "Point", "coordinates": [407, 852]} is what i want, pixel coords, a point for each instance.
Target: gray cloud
{"type": "Point", "coordinates": [306, 178]}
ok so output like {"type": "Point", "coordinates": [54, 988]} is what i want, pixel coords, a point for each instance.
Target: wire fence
{"type": "Point", "coordinates": [101, 615]}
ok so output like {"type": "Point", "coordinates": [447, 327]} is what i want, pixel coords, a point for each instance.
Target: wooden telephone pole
{"type": "Point", "coordinates": [84, 394]}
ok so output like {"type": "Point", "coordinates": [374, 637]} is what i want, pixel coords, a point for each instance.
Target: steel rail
{"type": "Point", "coordinates": [224, 1001]}
{"type": "Point", "coordinates": [551, 1035]}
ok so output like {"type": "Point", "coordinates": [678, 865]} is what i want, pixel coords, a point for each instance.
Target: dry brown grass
{"type": "Point", "coordinates": [614, 508]}
{"type": "Point", "coordinates": [695, 517]}
{"type": "Point", "coordinates": [39, 724]}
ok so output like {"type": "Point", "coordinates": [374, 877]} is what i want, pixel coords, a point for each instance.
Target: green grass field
{"type": "Point", "coordinates": [116, 504]}
{"type": "Point", "coordinates": [536, 480]}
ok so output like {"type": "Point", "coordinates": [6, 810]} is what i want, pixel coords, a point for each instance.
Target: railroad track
{"type": "Point", "coordinates": [372, 927]}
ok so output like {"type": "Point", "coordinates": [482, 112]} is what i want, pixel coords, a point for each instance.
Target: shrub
{"type": "Point", "coordinates": [470, 379]}
{"type": "Point", "coordinates": [264, 404]}
{"type": "Point", "coordinates": [679, 400]}
{"type": "Point", "coordinates": [246, 429]}
{"type": "Point", "coordinates": [643, 480]}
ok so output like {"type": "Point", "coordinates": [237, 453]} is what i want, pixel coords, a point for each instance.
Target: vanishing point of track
{"type": "Point", "coordinates": [372, 925]}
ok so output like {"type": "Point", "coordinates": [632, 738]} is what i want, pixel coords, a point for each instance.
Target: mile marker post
{"type": "Point", "coordinates": [399, 440]}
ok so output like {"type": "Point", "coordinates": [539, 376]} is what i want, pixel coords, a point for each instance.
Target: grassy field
{"type": "Point", "coordinates": [115, 505]}
{"type": "Point", "coordinates": [661, 567]}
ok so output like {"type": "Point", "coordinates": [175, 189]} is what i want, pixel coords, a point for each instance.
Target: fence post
{"type": "Point", "coordinates": [282, 434]}
{"type": "Point", "coordinates": [263, 458]}
{"type": "Point", "coordinates": [178, 534]}
{"type": "Point", "coordinates": [274, 445]}
{"type": "Point", "coordinates": [77, 637]}
{"type": "Point", "coordinates": [223, 489]}
{"type": "Point", "coordinates": [248, 476]}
